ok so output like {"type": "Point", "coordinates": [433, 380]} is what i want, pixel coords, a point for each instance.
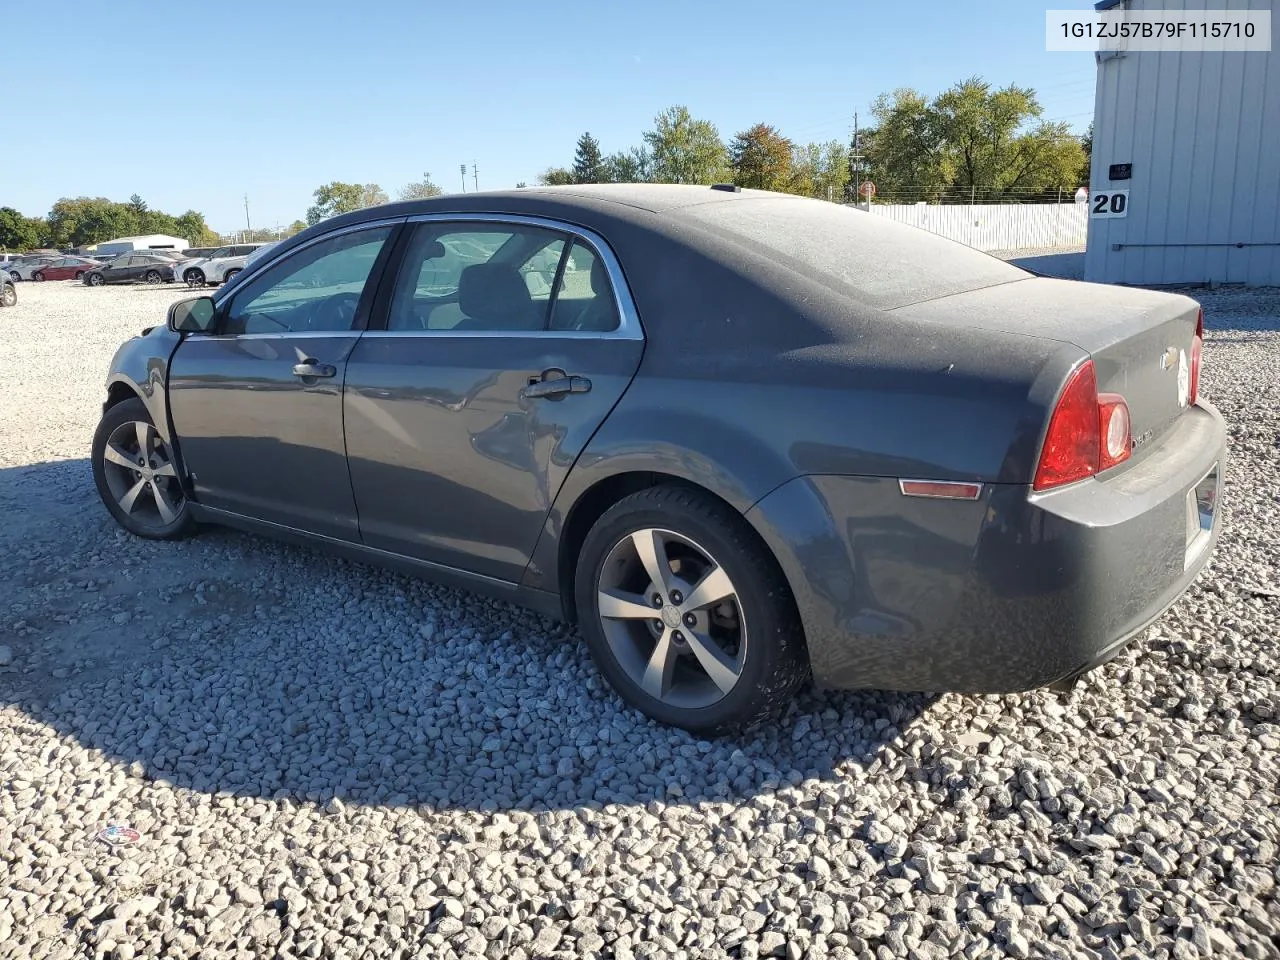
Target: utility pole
{"type": "Point", "coordinates": [475, 176]}
{"type": "Point", "coordinates": [857, 161]}
{"type": "Point", "coordinates": [246, 213]}
{"type": "Point", "coordinates": [462, 168]}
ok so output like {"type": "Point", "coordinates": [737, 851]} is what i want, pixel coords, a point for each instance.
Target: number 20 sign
{"type": "Point", "coordinates": [1109, 203]}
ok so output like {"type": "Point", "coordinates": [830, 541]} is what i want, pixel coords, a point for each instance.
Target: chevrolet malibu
{"type": "Point", "coordinates": [739, 438]}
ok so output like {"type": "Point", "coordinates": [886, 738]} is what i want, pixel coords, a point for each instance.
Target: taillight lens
{"type": "Point", "coordinates": [1088, 432]}
{"type": "Point", "coordinates": [1113, 426]}
{"type": "Point", "coordinates": [1197, 348]}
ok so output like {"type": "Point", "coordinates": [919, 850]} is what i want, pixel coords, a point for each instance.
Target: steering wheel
{"type": "Point", "coordinates": [337, 312]}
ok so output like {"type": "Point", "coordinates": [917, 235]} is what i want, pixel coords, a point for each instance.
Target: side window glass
{"type": "Point", "coordinates": [584, 299]}
{"type": "Point", "coordinates": [467, 276]}
{"type": "Point", "coordinates": [317, 289]}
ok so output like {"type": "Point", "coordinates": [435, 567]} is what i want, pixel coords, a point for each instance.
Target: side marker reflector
{"type": "Point", "coordinates": [940, 489]}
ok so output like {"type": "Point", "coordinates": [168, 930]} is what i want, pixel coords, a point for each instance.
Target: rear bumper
{"type": "Point", "coordinates": [1008, 593]}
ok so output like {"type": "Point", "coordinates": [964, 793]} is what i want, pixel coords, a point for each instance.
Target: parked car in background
{"type": "Point", "coordinates": [132, 268]}
{"type": "Point", "coordinates": [738, 436]}
{"type": "Point", "coordinates": [68, 268]}
{"type": "Point", "coordinates": [23, 267]}
{"type": "Point", "coordinates": [199, 253]}
{"type": "Point", "coordinates": [8, 292]}
{"type": "Point", "coordinates": [222, 265]}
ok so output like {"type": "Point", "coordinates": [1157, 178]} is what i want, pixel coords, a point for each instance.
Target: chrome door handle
{"type": "Point", "coordinates": [311, 368]}
{"type": "Point", "coordinates": [555, 389]}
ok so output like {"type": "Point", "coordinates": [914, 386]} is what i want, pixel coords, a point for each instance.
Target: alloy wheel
{"type": "Point", "coordinates": [8, 296]}
{"type": "Point", "coordinates": [672, 618]}
{"type": "Point", "coordinates": [95, 280]}
{"type": "Point", "coordinates": [38, 277]}
{"type": "Point", "coordinates": [153, 277]}
{"type": "Point", "coordinates": [140, 474]}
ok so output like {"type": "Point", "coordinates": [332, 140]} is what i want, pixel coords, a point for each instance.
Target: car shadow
{"type": "Point", "coordinates": [190, 662]}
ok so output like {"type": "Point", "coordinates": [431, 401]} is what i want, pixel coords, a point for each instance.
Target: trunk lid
{"type": "Point", "coordinates": [1140, 340]}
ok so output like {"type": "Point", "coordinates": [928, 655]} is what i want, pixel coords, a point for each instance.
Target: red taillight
{"type": "Point", "coordinates": [1088, 432]}
{"type": "Point", "coordinates": [1197, 348]}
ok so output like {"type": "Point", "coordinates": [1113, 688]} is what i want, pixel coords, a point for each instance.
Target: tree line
{"type": "Point", "coordinates": [970, 142]}
{"type": "Point", "coordinates": [79, 221]}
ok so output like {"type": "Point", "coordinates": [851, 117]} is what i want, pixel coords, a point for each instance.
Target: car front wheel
{"type": "Point", "coordinates": [38, 277]}
{"type": "Point", "coordinates": [136, 477]}
{"type": "Point", "coordinates": [687, 614]}
{"type": "Point", "coordinates": [95, 280]}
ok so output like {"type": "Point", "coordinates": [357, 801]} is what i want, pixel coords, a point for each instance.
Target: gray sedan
{"type": "Point", "coordinates": [739, 438]}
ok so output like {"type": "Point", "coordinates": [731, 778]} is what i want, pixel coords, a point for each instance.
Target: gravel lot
{"type": "Point", "coordinates": [326, 760]}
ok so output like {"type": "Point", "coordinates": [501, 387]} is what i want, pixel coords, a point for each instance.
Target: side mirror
{"type": "Point", "coordinates": [192, 316]}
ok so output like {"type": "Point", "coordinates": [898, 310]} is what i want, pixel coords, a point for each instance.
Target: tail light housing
{"type": "Point", "coordinates": [1197, 349]}
{"type": "Point", "coordinates": [1088, 432]}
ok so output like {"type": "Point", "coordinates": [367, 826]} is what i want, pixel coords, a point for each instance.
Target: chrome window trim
{"type": "Point", "coordinates": [266, 262]}
{"type": "Point", "coordinates": [247, 274]}
{"type": "Point", "coordinates": [629, 327]}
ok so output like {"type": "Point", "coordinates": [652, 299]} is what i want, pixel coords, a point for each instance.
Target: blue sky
{"type": "Point", "coordinates": [196, 105]}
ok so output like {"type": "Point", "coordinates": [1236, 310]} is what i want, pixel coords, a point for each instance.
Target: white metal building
{"type": "Point", "coordinates": [153, 241]}
{"type": "Point", "coordinates": [1201, 131]}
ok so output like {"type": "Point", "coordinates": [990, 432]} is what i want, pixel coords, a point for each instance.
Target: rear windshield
{"type": "Point", "coordinates": [859, 254]}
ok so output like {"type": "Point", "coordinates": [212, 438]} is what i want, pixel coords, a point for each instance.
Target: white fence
{"type": "Point", "coordinates": [996, 226]}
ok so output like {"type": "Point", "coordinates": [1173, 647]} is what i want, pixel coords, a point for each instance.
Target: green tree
{"type": "Point", "coordinates": [820, 170]}
{"type": "Point", "coordinates": [420, 189]}
{"type": "Point", "coordinates": [18, 232]}
{"type": "Point", "coordinates": [83, 220]}
{"type": "Point", "coordinates": [335, 198]}
{"type": "Point", "coordinates": [686, 150]}
{"type": "Point", "coordinates": [192, 227]}
{"type": "Point", "coordinates": [1086, 144]}
{"type": "Point", "coordinates": [138, 206]}
{"type": "Point", "coordinates": [905, 154]}
{"type": "Point", "coordinates": [521, 185]}
{"type": "Point", "coordinates": [630, 166]}
{"type": "Point", "coordinates": [975, 141]}
{"type": "Point", "coordinates": [555, 177]}
{"type": "Point", "coordinates": [372, 195]}
{"type": "Point", "coordinates": [761, 158]}
{"type": "Point", "coordinates": [295, 228]}
{"type": "Point", "coordinates": [587, 160]}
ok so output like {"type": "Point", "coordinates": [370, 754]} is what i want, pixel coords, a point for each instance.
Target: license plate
{"type": "Point", "coordinates": [1202, 506]}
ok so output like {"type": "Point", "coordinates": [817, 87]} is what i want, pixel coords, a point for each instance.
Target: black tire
{"type": "Point", "coordinates": [194, 278]}
{"type": "Point", "coordinates": [8, 294]}
{"type": "Point", "coordinates": [775, 663]}
{"type": "Point", "coordinates": [95, 279]}
{"type": "Point", "coordinates": [122, 415]}
{"type": "Point", "coordinates": [38, 277]}
{"type": "Point", "coordinates": [230, 275]}
{"type": "Point", "coordinates": [15, 276]}
{"type": "Point", "coordinates": [79, 274]}
{"type": "Point", "coordinates": [153, 277]}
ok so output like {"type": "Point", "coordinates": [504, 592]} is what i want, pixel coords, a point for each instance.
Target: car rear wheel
{"type": "Point", "coordinates": [231, 275]}
{"type": "Point", "coordinates": [136, 476]}
{"type": "Point", "coordinates": [79, 274]}
{"type": "Point", "coordinates": [15, 276]}
{"type": "Point", "coordinates": [152, 277]}
{"type": "Point", "coordinates": [95, 280]}
{"type": "Point", "coordinates": [194, 278]}
{"type": "Point", "coordinates": [8, 295]}
{"type": "Point", "coordinates": [38, 277]}
{"type": "Point", "coordinates": [686, 613]}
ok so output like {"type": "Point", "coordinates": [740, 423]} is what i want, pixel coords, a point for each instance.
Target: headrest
{"type": "Point", "coordinates": [496, 297]}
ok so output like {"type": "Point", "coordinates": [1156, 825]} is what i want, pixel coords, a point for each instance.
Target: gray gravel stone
{"type": "Point", "coordinates": [328, 760]}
